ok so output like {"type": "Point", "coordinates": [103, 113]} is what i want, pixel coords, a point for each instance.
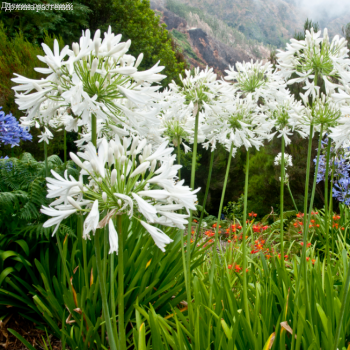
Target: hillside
{"type": "Point", "coordinates": [271, 22]}
{"type": "Point", "coordinates": [204, 42]}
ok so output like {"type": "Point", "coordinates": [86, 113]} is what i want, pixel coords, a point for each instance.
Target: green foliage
{"type": "Point", "coordinates": [33, 24]}
{"type": "Point", "coordinates": [17, 55]}
{"type": "Point", "coordinates": [307, 26]}
{"type": "Point", "coordinates": [234, 210]}
{"type": "Point", "coordinates": [185, 46]}
{"type": "Point", "coordinates": [23, 192]}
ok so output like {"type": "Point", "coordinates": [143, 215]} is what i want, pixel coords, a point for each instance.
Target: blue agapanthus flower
{"type": "Point", "coordinates": [341, 175]}
{"type": "Point", "coordinates": [10, 131]}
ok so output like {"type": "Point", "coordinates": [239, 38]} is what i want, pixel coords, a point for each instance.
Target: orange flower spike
{"type": "Point", "coordinates": [229, 241]}
{"type": "Point", "coordinates": [313, 261]}
{"type": "Point", "coordinates": [307, 258]}
{"type": "Point", "coordinates": [313, 221]}
{"type": "Point", "coordinates": [343, 228]}
{"type": "Point", "coordinates": [309, 244]}
{"type": "Point", "coordinates": [229, 267]}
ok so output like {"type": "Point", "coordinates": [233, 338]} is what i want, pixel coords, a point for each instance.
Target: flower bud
{"type": "Point", "coordinates": [97, 84]}
{"type": "Point", "coordinates": [121, 149]}
{"type": "Point", "coordinates": [120, 202]}
{"type": "Point", "coordinates": [93, 67]}
{"type": "Point", "coordinates": [97, 44]}
{"type": "Point", "coordinates": [116, 152]}
{"type": "Point", "coordinates": [75, 47]}
{"type": "Point", "coordinates": [141, 169]}
{"type": "Point", "coordinates": [123, 159]}
{"type": "Point", "coordinates": [73, 203]}
{"type": "Point", "coordinates": [134, 144]}
{"type": "Point", "coordinates": [139, 60]}
{"type": "Point", "coordinates": [99, 180]}
{"type": "Point", "coordinates": [113, 177]}
{"type": "Point", "coordinates": [104, 197]}
{"type": "Point", "coordinates": [110, 157]}
{"type": "Point", "coordinates": [153, 165]}
{"type": "Point", "coordinates": [94, 166]}
{"type": "Point", "coordinates": [140, 158]}
{"type": "Point", "coordinates": [122, 178]}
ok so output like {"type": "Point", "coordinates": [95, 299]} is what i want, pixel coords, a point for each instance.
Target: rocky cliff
{"type": "Point", "coordinates": [202, 49]}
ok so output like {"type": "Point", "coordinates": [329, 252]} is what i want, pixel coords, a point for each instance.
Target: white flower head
{"type": "Point", "coordinates": [124, 177]}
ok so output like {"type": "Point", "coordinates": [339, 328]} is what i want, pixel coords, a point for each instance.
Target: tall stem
{"type": "Point", "coordinates": [179, 159]}
{"type": "Point", "coordinates": [93, 129]}
{"type": "Point", "coordinates": [122, 339]}
{"type": "Point", "coordinates": [282, 201]}
{"type": "Point", "coordinates": [315, 176]}
{"type": "Point", "coordinates": [306, 225]}
{"type": "Point", "coordinates": [65, 145]}
{"type": "Point", "coordinates": [342, 310]}
{"type": "Point", "coordinates": [326, 197]}
{"type": "Point", "coordinates": [193, 173]}
{"type": "Point", "coordinates": [205, 197]}
{"type": "Point", "coordinates": [244, 244]}
{"type": "Point", "coordinates": [331, 203]}
{"type": "Point", "coordinates": [218, 223]}
{"type": "Point", "coordinates": [46, 163]}
{"type": "Point", "coordinates": [291, 196]}
{"type": "Point", "coordinates": [105, 308]}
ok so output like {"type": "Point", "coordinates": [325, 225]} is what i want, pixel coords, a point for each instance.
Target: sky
{"type": "Point", "coordinates": [318, 9]}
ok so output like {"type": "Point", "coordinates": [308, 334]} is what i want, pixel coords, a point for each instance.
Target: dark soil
{"type": "Point", "coordinates": [28, 331]}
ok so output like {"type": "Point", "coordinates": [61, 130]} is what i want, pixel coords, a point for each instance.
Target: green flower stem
{"type": "Point", "coordinates": [331, 204]}
{"type": "Point", "coordinates": [193, 173]}
{"type": "Point", "coordinates": [342, 310]}
{"type": "Point", "coordinates": [122, 339]}
{"type": "Point", "coordinates": [93, 130]}
{"type": "Point", "coordinates": [213, 265]}
{"type": "Point", "coordinates": [244, 243]}
{"type": "Point", "coordinates": [315, 176]}
{"type": "Point", "coordinates": [306, 225]}
{"type": "Point", "coordinates": [282, 202]}
{"type": "Point", "coordinates": [291, 196]}
{"type": "Point", "coordinates": [205, 198]}
{"type": "Point", "coordinates": [326, 197]}
{"type": "Point", "coordinates": [179, 160]}
{"type": "Point", "coordinates": [112, 295]}
{"type": "Point", "coordinates": [105, 308]}
{"type": "Point", "coordinates": [46, 163]}
{"type": "Point", "coordinates": [65, 145]}
{"type": "Point", "coordinates": [83, 243]}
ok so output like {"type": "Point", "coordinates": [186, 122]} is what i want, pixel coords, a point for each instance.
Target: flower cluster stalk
{"type": "Point", "coordinates": [105, 308]}
{"type": "Point", "coordinates": [244, 243]}
{"type": "Point", "coordinates": [189, 229]}
{"type": "Point", "coordinates": [213, 266]}
{"type": "Point", "coordinates": [205, 198]}
{"type": "Point", "coordinates": [65, 145]}
{"type": "Point", "coordinates": [291, 196]}
{"type": "Point", "coordinates": [122, 339]}
{"type": "Point", "coordinates": [326, 197]}
{"type": "Point", "coordinates": [46, 164]}
{"type": "Point", "coordinates": [282, 201]}
{"type": "Point", "coordinates": [306, 226]}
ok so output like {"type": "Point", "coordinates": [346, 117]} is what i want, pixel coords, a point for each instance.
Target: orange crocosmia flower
{"type": "Point", "coordinates": [313, 261]}
{"type": "Point", "coordinates": [301, 243]}
{"type": "Point", "coordinates": [343, 228]}
{"type": "Point", "coordinates": [286, 256]}
{"type": "Point", "coordinates": [317, 225]}
{"type": "Point", "coordinates": [309, 244]}
{"type": "Point", "coordinates": [229, 267]}
{"type": "Point", "coordinates": [238, 268]}
{"type": "Point", "coordinates": [210, 240]}
{"type": "Point", "coordinates": [307, 258]}
{"type": "Point", "coordinates": [229, 241]}
{"type": "Point", "coordinates": [313, 221]}
{"type": "Point", "coordinates": [195, 220]}
{"type": "Point", "coordinates": [268, 256]}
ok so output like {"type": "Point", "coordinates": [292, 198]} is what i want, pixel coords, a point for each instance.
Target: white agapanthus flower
{"type": "Point", "coordinates": [199, 96]}
{"type": "Point", "coordinates": [256, 79]}
{"type": "Point", "coordinates": [97, 77]}
{"type": "Point", "coordinates": [323, 112]}
{"type": "Point", "coordinates": [284, 117]}
{"type": "Point", "coordinates": [123, 178]}
{"type": "Point", "coordinates": [287, 160]}
{"type": "Point", "coordinates": [45, 136]}
{"type": "Point", "coordinates": [315, 55]}
{"type": "Point", "coordinates": [240, 125]}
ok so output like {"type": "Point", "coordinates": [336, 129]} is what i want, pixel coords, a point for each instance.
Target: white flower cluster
{"type": "Point", "coordinates": [123, 178]}
{"type": "Point", "coordinates": [98, 78]}
{"type": "Point", "coordinates": [287, 160]}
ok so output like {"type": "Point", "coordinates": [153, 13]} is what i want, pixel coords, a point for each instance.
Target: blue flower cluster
{"type": "Point", "coordinates": [10, 131]}
{"type": "Point", "coordinates": [341, 179]}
